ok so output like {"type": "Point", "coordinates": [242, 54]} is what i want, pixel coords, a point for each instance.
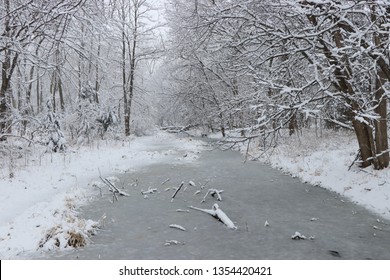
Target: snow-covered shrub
{"type": "Point", "coordinates": [106, 120]}
{"type": "Point", "coordinates": [51, 134]}
{"type": "Point", "coordinates": [91, 118]}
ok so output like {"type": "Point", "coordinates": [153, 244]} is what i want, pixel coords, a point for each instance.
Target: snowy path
{"type": "Point", "coordinates": [254, 196]}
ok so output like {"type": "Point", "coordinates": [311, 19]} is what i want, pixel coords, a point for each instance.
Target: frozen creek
{"type": "Point", "coordinates": [138, 227]}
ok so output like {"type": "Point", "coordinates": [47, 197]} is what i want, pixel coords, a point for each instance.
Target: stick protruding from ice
{"type": "Point", "coordinates": [216, 212]}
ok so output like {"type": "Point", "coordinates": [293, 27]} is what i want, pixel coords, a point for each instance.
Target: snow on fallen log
{"type": "Point", "coordinates": [177, 227]}
{"type": "Point", "coordinates": [217, 213]}
{"type": "Point", "coordinates": [213, 193]}
{"type": "Point", "coordinates": [298, 236]}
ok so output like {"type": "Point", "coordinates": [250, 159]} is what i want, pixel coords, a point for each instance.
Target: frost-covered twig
{"type": "Point", "coordinates": [181, 210]}
{"type": "Point", "coordinates": [112, 188]}
{"type": "Point", "coordinates": [217, 213]}
{"type": "Point", "coordinates": [177, 227]}
{"type": "Point", "coordinates": [149, 191]}
{"type": "Point", "coordinates": [172, 242]}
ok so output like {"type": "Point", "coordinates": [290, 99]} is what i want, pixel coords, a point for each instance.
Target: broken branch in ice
{"type": "Point", "coordinates": [112, 188]}
{"type": "Point", "coordinates": [213, 193]}
{"type": "Point", "coordinates": [149, 191]}
{"type": "Point", "coordinates": [177, 227]}
{"type": "Point", "coordinates": [178, 189]}
{"type": "Point", "coordinates": [217, 213]}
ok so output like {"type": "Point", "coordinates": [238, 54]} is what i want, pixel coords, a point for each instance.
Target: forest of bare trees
{"type": "Point", "coordinates": [73, 70]}
{"type": "Point", "coordinates": [263, 68]}
{"type": "Point", "coordinates": [70, 68]}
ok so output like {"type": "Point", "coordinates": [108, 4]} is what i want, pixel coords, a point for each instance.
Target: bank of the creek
{"type": "Point", "coordinates": [137, 227]}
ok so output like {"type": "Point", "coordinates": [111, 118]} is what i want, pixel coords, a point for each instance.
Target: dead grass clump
{"type": "Point", "coordinates": [76, 239]}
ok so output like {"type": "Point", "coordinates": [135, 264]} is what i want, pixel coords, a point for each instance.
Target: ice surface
{"type": "Point", "coordinates": [254, 193]}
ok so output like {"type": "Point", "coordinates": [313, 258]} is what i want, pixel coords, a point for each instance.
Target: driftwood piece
{"type": "Point", "coordinates": [217, 213]}
{"type": "Point", "coordinates": [178, 189]}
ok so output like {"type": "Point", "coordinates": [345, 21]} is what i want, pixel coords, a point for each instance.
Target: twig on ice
{"type": "Point", "coordinates": [173, 242]}
{"type": "Point", "coordinates": [165, 181]}
{"type": "Point", "coordinates": [149, 191]}
{"type": "Point", "coordinates": [217, 213]}
{"type": "Point", "coordinates": [213, 192]}
{"type": "Point", "coordinates": [181, 210]}
{"type": "Point", "coordinates": [181, 185]}
{"type": "Point", "coordinates": [177, 227]}
{"type": "Point", "coordinates": [112, 188]}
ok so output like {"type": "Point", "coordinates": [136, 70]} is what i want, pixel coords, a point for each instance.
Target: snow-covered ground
{"type": "Point", "coordinates": [39, 200]}
{"type": "Point", "coordinates": [325, 161]}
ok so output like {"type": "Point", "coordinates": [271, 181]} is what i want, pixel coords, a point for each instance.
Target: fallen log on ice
{"type": "Point", "coordinates": [217, 213]}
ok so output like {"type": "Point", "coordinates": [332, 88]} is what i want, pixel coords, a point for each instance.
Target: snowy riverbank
{"type": "Point", "coordinates": [38, 205]}
{"type": "Point", "coordinates": [324, 161]}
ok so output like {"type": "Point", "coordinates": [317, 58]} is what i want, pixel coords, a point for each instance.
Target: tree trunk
{"type": "Point", "coordinates": [126, 110]}
{"type": "Point", "coordinates": [363, 137]}
{"type": "Point", "coordinates": [6, 73]}
{"type": "Point", "coordinates": [381, 141]}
